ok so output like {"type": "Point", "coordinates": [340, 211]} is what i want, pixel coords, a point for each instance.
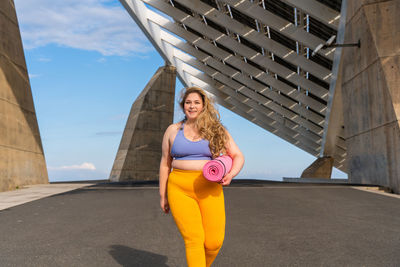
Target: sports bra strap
{"type": "Point", "coordinates": [185, 149]}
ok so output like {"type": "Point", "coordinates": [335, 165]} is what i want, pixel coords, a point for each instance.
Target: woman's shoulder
{"type": "Point", "coordinates": [172, 128]}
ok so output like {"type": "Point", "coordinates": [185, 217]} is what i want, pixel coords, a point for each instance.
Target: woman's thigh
{"type": "Point", "coordinates": [186, 212]}
{"type": "Point", "coordinates": [213, 218]}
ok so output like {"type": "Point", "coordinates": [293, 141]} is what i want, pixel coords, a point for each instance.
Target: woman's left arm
{"type": "Point", "coordinates": [238, 160]}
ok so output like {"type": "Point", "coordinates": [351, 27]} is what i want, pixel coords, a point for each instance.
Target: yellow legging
{"type": "Point", "coordinates": [198, 208]}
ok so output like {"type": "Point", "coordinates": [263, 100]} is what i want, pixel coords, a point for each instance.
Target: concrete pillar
{"type": "Point", "coordinates": [320, 168]}
{"type": "Point", "coordinates": [333, 143]}
{"type": "Point", "coordinates": [139, 154]}
{"type": "Point", "coordinates": [371, 92]}
{"type": "Point", "coordinates": [21, 154]}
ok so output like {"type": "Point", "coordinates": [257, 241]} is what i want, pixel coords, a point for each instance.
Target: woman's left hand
{"type": "Point", "coordinates": [226, 180]}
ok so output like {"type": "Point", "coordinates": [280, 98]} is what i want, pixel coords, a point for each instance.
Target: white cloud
{"type": "Point", "coordinates": [96, 25]}
{"type": "Point", "coordinates": [44, 59]}
{"type": "Point", "coordinates": [31, 76]}
{"type": "Point", "coordinates": [102, 60]}
{"type": "Point", "coordinates": [83, 166]}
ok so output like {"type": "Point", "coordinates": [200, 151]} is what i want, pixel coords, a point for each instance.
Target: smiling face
{"type": "Point", "coordinates": [193, 106]}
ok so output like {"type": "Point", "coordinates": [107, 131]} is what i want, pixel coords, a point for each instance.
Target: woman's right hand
{"type": "Point", "coordinates": [164, 204]}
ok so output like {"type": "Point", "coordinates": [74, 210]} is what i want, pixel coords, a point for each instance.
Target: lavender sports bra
{"type": "Point", "coordinates": [184, 149]}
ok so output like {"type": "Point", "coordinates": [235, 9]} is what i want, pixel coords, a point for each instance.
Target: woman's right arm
{"type": "Point", "coordinates": [165, 169]}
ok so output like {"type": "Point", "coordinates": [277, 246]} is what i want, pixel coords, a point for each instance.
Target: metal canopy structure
{"type": "Point", "coordinates": [254, 58]}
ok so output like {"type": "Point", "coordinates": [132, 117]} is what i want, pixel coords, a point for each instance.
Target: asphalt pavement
{"type": "Point", "coordinates": [268, 224]}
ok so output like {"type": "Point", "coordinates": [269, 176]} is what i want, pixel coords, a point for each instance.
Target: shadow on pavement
{"type": "Point", "coordinates": [127, 256]}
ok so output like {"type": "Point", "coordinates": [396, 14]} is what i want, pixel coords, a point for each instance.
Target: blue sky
{"type": "Point", "coordinates": [87, 62]}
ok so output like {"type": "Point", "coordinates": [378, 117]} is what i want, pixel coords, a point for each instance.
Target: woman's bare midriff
{"type": "Point", "coordinates": [194, 165]}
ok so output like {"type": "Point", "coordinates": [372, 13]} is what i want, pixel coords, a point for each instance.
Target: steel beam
{"type": "Point", "coordinates": [317, 10]}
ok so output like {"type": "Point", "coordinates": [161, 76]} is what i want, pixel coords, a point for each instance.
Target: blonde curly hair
{"type": "Point", "coordinates": [208, 122]}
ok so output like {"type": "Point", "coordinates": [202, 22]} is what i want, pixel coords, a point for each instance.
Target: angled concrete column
{"type": "Point", "coordinates": [139, 154]}
{"type": "Point", "coordinates": [21, 154]}
{"type": "Point", "coordinates": [371, 92]}
{"type": "Point", "coordinates": [320, 168]}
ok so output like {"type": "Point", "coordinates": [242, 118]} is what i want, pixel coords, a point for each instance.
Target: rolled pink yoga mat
{"type": "Point", "coordinates": [216, 169]}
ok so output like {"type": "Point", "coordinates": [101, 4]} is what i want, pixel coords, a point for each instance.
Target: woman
{"type": "Point", "coordinates": [197, 204]}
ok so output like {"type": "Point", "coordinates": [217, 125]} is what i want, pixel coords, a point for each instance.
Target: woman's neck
{"type": "Point", "coordinates": [190, 123]}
